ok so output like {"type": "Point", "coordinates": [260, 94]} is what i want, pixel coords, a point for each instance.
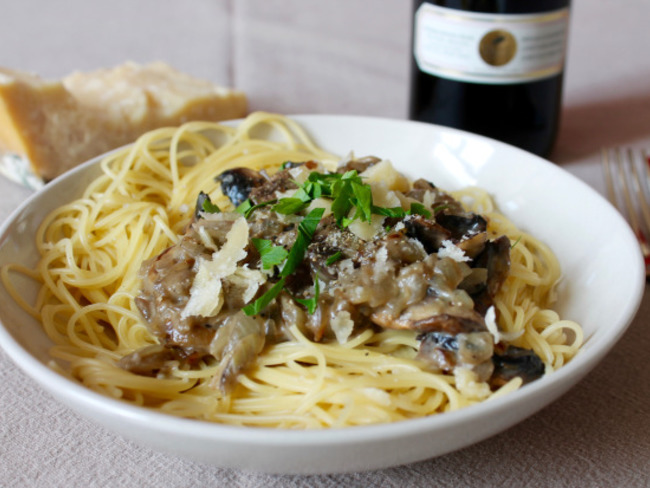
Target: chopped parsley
{"type": "Point", "coordinates": [306, 230]}
{"type": "Point", "coordinates": [204, 204]}
{"type": "Point", "coordinates": [333, 258]}
{"type": "Point", "coordinates": [262, 302]}
{"type": "Point", "coordinates": [271, 255]}
{"type": "Point", "coordinates": [351, 199]}
{"type": "Point", "coordinates": [311, 303]}
{"type": "Point", "coordinates": [246, 208]}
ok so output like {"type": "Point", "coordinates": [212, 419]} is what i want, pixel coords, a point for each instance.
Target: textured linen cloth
{"type": "Point", "coordinates": [343, 57]}
{"type": "Point", "coordinates": [596, 435]}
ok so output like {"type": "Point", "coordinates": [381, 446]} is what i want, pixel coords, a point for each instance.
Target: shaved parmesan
{"type": "Point", "coordinates": [205, 294]}
{"type": "Point", "coordinates": [451, 250]}
{"type": "Point", "coordinates": [321, 203]}
{"type": "Point", "coordinates": [206, 239]}
{"type": "Point", "coordinates": [382, 196]}
{"type": "Point", "coordinates": [247, 282]}
{"type": "Point", "coordinates": [367, 230]}
{"type": "Point", "coordinates": [429, 199]}
{"type": "Point", "coordinates": [342, 325]}
{"type": "Point", "coordinates": [491, 324]}
{"type": "Point", "coordinates": [384, 172]}
{"type": "Point", "coordinates": [299, 174]}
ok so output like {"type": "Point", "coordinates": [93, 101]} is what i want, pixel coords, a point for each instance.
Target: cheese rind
{"type": "Point", "coordinates": [56, 125]}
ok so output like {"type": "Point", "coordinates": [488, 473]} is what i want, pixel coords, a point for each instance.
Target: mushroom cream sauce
{"type": "Point", "coordinates": [224, 274]}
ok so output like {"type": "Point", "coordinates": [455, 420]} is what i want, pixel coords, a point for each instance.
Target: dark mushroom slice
{"type": "Point", "coordinates": [490, 270]}
{"type": "Point", "coordinates": [516, 362]}
{"type": "Point", "coordinates": [445, 351]}
{"type": "Point", "coordinates": [474, 245]}
{"type": "Point", "coordinates": [429, 233]}
{"type": "Point", "coordinates": [359, 165]}
{"type": "Point", "coordinates": [237, 183]}
{"type": "Point", "coordinates": [157, 360]}
{"type": "Point", "coordinates": [461, 226]}
{"type": "Point", "coordinates": [442, 201]}
{"type": "Point", "coordinates": [401, 249]}
{"type": "Point", "coordinates": [420, 187]}
{"type": "Point", "coordinates": [496, 259]}
{"type": "Point", "coordinates": [439, 350]}
{"type": "Point", "coordinates": [444, 322]}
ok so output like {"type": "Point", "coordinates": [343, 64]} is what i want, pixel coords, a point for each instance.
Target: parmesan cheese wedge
{"type": "Point", "coordinates": [55, 125]}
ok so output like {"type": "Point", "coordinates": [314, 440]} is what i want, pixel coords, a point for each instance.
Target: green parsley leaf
{"type": "Point", "coordinates": [311, 303]}
{"type": "Point", "coordinates": [363, 200]}
{"type": "Point", "coordinates": [306, 230]}
{"type": "Point", "coordinates": [322, 183]}
{"type": "Point", "coordinates": [246, 208]}
{"type": "Point", "coordinates": [204, 204]}
{"type": "Point", "coordinates": [342, 203]}
{"type": "Point", "coordinates": [419, 209]}
{"type": "Point", "coordinates": [289, 206]}
{"type": "Point", "coordinates": [333, 258]}
{"type": "Point", "coordinates": [262, 302]}
{"type": "Point", "coordinates": [271, 255]}
{"type": "Point", "coordinates": [308, 225]}
{"type": "Point", "coordinates": [398, 212]}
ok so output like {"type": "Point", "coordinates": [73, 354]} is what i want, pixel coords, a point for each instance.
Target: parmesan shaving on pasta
{"type": "Point", "coordinates": [451, 250]}
{"type": "Point", "coordinates": [207, 283]}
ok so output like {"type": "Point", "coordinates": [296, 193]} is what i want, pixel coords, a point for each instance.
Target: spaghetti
{"type": "Point", "coordinates": [92, 248]}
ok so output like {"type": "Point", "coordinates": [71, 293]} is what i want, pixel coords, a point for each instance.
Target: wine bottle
{"type": "Point", "coordinates": [491, 67]}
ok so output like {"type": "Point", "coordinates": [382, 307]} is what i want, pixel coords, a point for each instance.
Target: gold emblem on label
{"type": "Point", "coordinates": [498, 47]}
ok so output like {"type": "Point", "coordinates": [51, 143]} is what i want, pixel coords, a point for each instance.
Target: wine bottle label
{"type": "Point", "coordinates": [489, 48]}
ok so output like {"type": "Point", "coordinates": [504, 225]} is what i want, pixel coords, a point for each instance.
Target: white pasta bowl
{"type": "Point", "coordinates": [537, 195]}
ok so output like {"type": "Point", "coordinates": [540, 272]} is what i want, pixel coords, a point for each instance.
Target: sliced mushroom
{"type": "Point", "coordinates": [151, 360]}
{"type": "Point", "coordinates": [359, 164]}
{"type": "Point", "coordinates": [461, 226]}
{"type": "Point", "coordinates": [516, 362]}
{"type": "Point", "coordinates": [473, 245]}
{"type": "Point", "coordinates": [236, 344]}
{"type": "Point", "coordinates": [237, 183]}
{"type": "Point", "coordinates": [420, 187]}
{"type": "Point", "coordinates": [496, 258]}
{"type": "Point", "coordinates": [281, 182]}
{"type": "Point", "coordinates": [445, 351]}
{"type": "Point", "coordinates": [428, 232]}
